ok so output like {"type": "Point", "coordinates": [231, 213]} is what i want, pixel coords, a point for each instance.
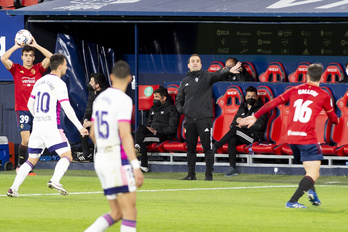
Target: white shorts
{"type": "Point", "coordinates": [114, 177]}
{"type": "Point", "coordinates": [54, 140]}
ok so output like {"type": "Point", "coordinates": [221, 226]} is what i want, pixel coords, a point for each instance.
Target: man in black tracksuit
{"type": "Point", "coordinates": [161, 124]}
{"type": "Point", "coordinates": [96, 85]}
{"type": "Point", "coordinates": [243, 135]}
{"type": "Point", "coordinates": [194, 100]}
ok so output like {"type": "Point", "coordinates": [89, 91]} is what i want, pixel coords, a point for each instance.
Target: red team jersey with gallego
{"type": "Point", "coordinates": [306, 102]}
{"type": "Point", "coordinates": [24, 80]}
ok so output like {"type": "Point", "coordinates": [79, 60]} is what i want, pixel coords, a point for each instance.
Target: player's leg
{"type": "Point", "coordinates": [191, 141]}
{"type": "Point", "coordinates": [129, 212]}
{"type": "Point", "coordinates": [24, 123]}
{"type": "Point", "coordinates": [25, 168]}
{"type": "Point", "coordinates": [105, 221]}
{"type": "Point", "coordinates": [204, 131]}
{"type": "Point", "coordinates": [57, 142]}
{"type": "Point", "coordinates": [23, 147]}
{"type": "Point", "coordinates": [225, 139]}
{"type": "Point", "coordinates": [311, 156]}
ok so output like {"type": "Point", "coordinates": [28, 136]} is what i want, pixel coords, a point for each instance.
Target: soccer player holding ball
{"type": "Point", "coordinates": [25, 76]}
{"type": "Point", "coordinates": [306, 102]}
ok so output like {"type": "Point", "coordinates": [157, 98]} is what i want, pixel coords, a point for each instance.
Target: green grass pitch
{"type": "Point", "coordinates": [165, 203]}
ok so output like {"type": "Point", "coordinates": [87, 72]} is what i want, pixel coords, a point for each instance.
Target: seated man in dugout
{"type": "Point", "coordinates": [242, 135]}
{"type": "Point", "coordinates": [241, 76]}
{"type": "Point", "coordinates": [161, 124]}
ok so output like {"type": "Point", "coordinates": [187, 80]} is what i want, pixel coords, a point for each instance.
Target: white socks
{"type": "Point", "coordinates": [22, 173]}
{"type": "Point", "coordinates": [128, 226]}
{"type": "Point", "coordinates": [101, 224]}
{"type": "Point", "coordinates": [60, 169]}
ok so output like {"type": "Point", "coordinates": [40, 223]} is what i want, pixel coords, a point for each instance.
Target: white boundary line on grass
{"type": "Point", "coordinates": [176, 190]}
{"type": "Point", "coordinates": [165, 190]}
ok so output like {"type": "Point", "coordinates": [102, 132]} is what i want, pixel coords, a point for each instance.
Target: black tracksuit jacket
{"type": "Point", "coordinates": [258, 129]}
{"type": "Point", "coordinates": [164, 118]}
{"type": "Point", "coordinates": [194, 98]}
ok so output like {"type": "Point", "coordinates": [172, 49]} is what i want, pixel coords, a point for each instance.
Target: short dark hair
{"type": "Point", "coordinates": [121, 69]}
{"type": "Point", "coordinates": [194, 54]}
{"type": "Point", "coordinates": [162, 91]}
{"type": "Point", "coordinates": [232, 58]}
{"type": "Point", "coordinates": [28, 49]}
{"type": "Point", "coordinates": [100, 79]}
{"type": "Point", "coordinates": [315, 71]}
{"type": "Point", "coordinates": [56, 60]}
{"type": "Point", "coordinates": [251, 89]}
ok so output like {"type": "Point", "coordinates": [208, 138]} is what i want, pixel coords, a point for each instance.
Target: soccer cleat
{"type": "Point", "coordinates": [313, 197]}
{"type": "Point", "coordinates": [31, 173]}
{"type": "Point", "coordinates": [294, 205]}
{"type": "Point", "coordinates": [144, 169]}
{"type": "Point", "coordinates": [231, 172]}
{"type": "Point", "coordinates": [12, 193]}
{"type": "Point", "coordinates": [188, 177]}
{"type": "Point", "coordinates": [57, 187]}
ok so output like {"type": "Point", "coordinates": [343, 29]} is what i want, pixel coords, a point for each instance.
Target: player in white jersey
{"type": "Point", "coordinates": [115, 161]}
{"type": "Point", "coordinates": [47, 97]}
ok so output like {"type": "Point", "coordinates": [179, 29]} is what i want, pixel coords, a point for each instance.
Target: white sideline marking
{"type": "Point", "coordinates": [163, 190]}
{"type": "Point", "coordinates": [175, 190]}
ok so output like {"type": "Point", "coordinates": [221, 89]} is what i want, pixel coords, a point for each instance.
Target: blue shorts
{"type": "Point", "coordinates": [24, 120]}
{"type": "Point", "coordinates": [307, 152]}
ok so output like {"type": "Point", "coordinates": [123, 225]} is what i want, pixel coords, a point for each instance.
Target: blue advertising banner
{"type": "Point", "coordinates": [8, 29]}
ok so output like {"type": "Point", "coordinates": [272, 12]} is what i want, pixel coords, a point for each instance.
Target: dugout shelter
{"type": "Point", "coordinates": [157, 38]}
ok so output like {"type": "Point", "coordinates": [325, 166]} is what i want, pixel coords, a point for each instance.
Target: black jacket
{"type": "Point", "coordinates": [194, 98]}
{"type": "Point", "coordinates": [89, 107]}
{"type": "Point", "coordinates": [258, 128]}
{"type": "Point", "coordinates": [240, 77]}
{"type": "Point", "coordinates": [164, 118]}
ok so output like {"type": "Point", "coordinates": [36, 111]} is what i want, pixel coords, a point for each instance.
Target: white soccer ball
{"type": "Point", "coordinates": [24, 37]}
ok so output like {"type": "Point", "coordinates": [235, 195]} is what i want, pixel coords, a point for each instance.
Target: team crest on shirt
{"type": "Point", "coordinates": [33, 71]}
{"type": "Point", "coordinates": [196, 79]}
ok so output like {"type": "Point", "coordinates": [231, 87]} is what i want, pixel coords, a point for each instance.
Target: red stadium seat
{"type": "Point", "coordinates": [146, 96]}
{"type": "Point", "coordinates": [274, 73]}
{"type": "Point", "coordinates": [229, 104]}
{"type": "Point", "coordinates": [7, 4]}
{"type": "Point", "coordinates": [173, 90]}
{"type": "Point", "coordinates": [333, 73]}
{"type": "Point", "coordinates": [300, 73]}
{"type": "Point", "coordinates": [176, 145]}
{"type": "Point", "coordinates": [340, 131]}
{"type": "Point", "coordinates": [215, 66]}
{"type": "Point", "coordinates": [277, 133]}
{"type": "Point", "coordinates": [265, 93]}
{"type": "Point", "coordinates": [249, 67]}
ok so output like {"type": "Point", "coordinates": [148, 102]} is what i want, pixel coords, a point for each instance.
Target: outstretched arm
{"type": "Point", "coordinates": [46, 62]}
{"type": "Point", "coordinates": [5, 57]}
{"type": "Point", "coordinates": [70, 113]}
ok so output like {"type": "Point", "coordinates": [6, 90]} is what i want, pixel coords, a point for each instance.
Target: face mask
{"type": "Point", "coordinates": [156, 102]}
{"type": "Point", "coordinates": [251, 101]}
{"type": "Point", "coordinates": [90, 88]}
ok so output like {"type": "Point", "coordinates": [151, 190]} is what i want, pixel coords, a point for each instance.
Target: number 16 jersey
{"type": "Point", "coordinates": [305, 103]}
